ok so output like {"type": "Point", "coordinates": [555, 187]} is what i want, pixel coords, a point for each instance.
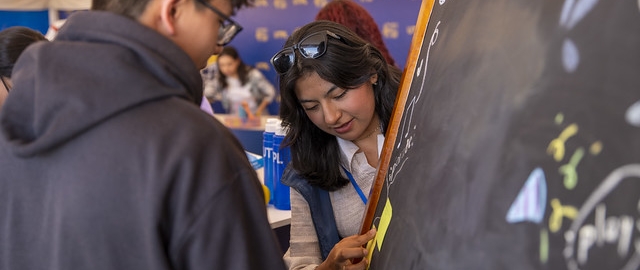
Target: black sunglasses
{"type": "Point", "coordinates": [228, 27]}
{"type": "Point", "coordinates": [311, 46]}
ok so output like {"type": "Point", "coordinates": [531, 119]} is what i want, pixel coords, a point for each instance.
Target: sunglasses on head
{"type": "Point", "coordinates": [311, 46]}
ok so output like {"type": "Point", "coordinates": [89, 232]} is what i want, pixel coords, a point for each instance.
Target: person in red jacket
{"type": "Point", "coordinates": [359, 20]}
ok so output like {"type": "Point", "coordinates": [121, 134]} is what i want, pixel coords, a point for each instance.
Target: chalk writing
{"type": "Point", "coordinates": [581, 237]}
{"type": "Point", "coordinates": [407, 126]}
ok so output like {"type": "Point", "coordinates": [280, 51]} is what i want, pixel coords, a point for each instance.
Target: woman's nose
{"type": "Point", "coordinates": [331, 114]}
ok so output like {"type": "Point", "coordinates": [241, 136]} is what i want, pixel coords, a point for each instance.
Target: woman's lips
{"type": "Point", "coordinates": [344, 128]}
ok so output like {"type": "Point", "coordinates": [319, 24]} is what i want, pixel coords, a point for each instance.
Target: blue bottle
{"type": "Point", "coordinates": [242, 114]}
{"type": "Point", "coordinates": [281, 158]}
{"type": "Point", "coordinates": [267, 154]}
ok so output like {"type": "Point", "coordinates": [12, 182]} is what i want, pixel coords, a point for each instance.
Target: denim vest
{"type": "Point", "coordinates": [320, 207]}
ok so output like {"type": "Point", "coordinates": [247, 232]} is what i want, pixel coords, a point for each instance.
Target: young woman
{"type": "Point", "coordinates": [337, 94]}
{"type": "Point", "coordinates": [240, 87]}
{"type": "Point", "coordinates": [13, 41]}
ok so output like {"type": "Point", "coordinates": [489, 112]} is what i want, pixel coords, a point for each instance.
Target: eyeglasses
{"type": "Point", "coordinates": [228, 27]}
{"type": "Point", "coordinates": [6, 87]}
{"type": "Point", "coordinates": [312, 46]}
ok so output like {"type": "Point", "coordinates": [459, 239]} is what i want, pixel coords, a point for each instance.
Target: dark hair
{"type": "Point", "coordinates": [243, 69]}
{"type": "Point", "coordinates": [13, 41]}
{"type": "Point", "coordinates": [348, 63]}
{"type": "Point", "coordinates": [99, 4]}
{"type": "Point", "coordinates": [134, 8]}
{"type": "Point", "coordinates": [358, 19]}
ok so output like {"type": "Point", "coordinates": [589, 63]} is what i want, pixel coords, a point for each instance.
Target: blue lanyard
{"type": "Point", "coordinates": [355, 185]}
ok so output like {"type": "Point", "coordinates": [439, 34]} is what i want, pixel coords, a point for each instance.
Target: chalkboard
{"type": "Point", "coordinates": [515, 140]}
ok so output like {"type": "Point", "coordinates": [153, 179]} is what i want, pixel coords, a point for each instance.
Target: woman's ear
{"type": "Point", "coordinates": [374, 79]}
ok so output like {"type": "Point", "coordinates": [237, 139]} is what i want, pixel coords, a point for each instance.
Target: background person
{"type": "Point", "coordinates": [108, 162]}
{"type": "Point", "coordinates": [240, 87]}
{"type": "Point", "coordinates": [337, 95]}
{"type": "Point", "coordinates": [13, 41]}
{"type": "Point", "coordinates": [358, 19]}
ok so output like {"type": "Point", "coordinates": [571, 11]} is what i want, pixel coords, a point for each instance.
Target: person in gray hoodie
{"type": "Point", "coordinates": [106, 160]}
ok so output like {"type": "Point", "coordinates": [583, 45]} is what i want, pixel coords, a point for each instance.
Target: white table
{"type": "Point", "coordinates": [278, 218]}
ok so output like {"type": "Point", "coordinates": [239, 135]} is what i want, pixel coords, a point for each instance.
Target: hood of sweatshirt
{"type": "Point", "coordinates": [100, 64]}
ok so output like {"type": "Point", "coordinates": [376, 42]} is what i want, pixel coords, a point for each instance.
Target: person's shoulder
{"type": "Point", "coordinates": [255, 73]}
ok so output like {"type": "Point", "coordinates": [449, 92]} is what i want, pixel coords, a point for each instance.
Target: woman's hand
{"type": "Point", "coordinates": [347, 249]}
{"type": "Point", "coordinates": [245, 107]}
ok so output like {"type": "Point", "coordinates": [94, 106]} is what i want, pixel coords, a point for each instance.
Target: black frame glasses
{"type": "Point", "coordinates": [6, 87]}
{"type": "Point", "coordinates": [228, 27]}
{"type": "Point", "coordinates": [311, 46]}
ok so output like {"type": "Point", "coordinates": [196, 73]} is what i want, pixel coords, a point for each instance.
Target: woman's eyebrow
{"type": "Point", "coordinates": [333, 88]}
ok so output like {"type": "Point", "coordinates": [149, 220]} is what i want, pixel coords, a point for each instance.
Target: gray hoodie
{"type": "Point", "coordinates": [108, 163]}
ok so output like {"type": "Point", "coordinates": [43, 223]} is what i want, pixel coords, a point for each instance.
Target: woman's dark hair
{"type": "Point", "coordinates": [358, 19]}
{"type": "Point", "coordinates": [348, 63]}
{"type": "Point", "coordinates": [242, 70]}
{"type": "Point", "coordinates": [13, 41]}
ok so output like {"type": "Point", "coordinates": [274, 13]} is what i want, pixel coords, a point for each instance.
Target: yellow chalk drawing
{"type": "Point", "coordinates": [569, 170]}
{"type": "Point", "coordinates": [595, 148]}
{"type": "Point", "coordinates": [556, 146]}
{"type": "Point", "coordinates": [559, 119]}
{"type": "Point", "coordinates": [390, 30]}
{"type": "Point", "coordinates": [544, 246]}
{"type": "Point", "coordinates": [559, 212]}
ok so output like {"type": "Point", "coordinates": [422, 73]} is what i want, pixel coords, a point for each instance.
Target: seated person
{"type": "Point", "coordinates": [242, 89]}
